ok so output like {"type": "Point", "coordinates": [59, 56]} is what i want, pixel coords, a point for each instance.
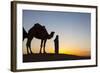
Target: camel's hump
{"type": "Point", "coordinates": [38, 28]}
{"type": "Point", "coordinates": [38, 25]}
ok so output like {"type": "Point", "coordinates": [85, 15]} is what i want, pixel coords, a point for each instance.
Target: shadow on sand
{"type": "Point", "coordinates": [51, 57]}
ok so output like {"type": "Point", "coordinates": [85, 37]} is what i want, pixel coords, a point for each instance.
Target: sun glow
{"type": "Point", "coordinates": [73, 49]}
{"type": "Point", "coordinates": [77, 52]}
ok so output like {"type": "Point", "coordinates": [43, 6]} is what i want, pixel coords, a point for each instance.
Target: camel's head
{"type": "Point", "coordinates": [51, 35]}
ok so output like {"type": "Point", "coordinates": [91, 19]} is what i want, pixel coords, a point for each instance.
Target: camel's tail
{"type": "Point", "coordinates": [25, 34]}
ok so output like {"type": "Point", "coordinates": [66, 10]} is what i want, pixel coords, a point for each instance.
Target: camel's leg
{"type": "Point", "coordinates": [30, 48]}
{"type": "Point", "coordinates": [29, 45]}
{"type": "Point", "coordinates": [27, 50]}
{"type": "Point", "coordinates": [44, 45]}
{"type": "Point", "coordinates": [41, 46]}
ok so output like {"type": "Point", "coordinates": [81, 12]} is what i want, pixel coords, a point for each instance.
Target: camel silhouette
{"type": "Point", "coordinates": [38, 31]}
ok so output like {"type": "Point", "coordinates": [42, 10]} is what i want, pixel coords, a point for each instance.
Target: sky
{"type": "Point", "coordinates": [73, 28]}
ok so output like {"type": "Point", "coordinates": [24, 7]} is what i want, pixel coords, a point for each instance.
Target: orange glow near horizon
{"type": "Point", "coordinates": [76, 52]}
{"type": "Point", "coordinates": [72, 49]}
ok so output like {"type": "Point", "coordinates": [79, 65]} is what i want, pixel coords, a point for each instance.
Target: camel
{"type": "Point", "coordinates": [38, 31]}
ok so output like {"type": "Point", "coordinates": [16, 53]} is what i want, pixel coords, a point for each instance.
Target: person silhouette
{"type": "Point", "coordinates": [56, 43]}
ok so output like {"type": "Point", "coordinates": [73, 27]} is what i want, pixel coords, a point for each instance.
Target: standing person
{"type": "Point", "coordinates": [56, 43]}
